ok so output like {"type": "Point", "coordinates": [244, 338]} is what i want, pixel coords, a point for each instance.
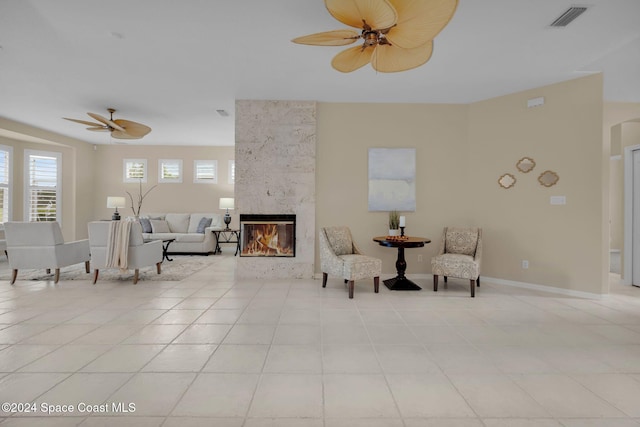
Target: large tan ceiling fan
{"type": "Point", "coordinates": [398, 34]}
{"type": "Point", "coordinates": [119, 128]}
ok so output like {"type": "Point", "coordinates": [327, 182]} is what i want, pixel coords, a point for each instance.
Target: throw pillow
{"type": "Point", "coordinates": [146, 225]}
{"type": "Point", "coordinates": [159, 226]}
{"type": "Point", "coordinates": [204, 223]}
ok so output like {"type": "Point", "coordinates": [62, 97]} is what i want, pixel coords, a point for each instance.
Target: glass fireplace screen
{"type": "Point", "coordinates": [267, 235]}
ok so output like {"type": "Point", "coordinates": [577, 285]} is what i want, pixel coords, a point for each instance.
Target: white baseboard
{"type": "Point", "coordinates": [525, 285]}
{"type": "Point", "coordinates": [544, 288]}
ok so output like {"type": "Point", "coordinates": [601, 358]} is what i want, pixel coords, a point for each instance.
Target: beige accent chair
{"type": "Point", "coordinates": [340, 256]}
{"type": "Point", "coordinates": [33, 245]}
{"type": "Point", "coordinates": [140, 254]}
{"type": "Point", "coordinates": [459, 256]}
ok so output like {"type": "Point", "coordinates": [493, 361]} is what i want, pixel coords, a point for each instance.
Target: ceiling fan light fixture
{"type": "Point", "coordinates": [403, 29]}
{"type": "Point", "coordinates": [119, 128]}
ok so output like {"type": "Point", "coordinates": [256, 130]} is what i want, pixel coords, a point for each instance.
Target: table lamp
{"type": "Point", "coordinates": [116, 202]}
{"type": "Point", "coordinates": [226, 203]}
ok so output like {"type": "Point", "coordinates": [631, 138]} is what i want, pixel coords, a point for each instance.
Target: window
{"type": "Point", "coordinates": [170, 170]}
{"type": "Point", "coordinates": [135, 170]}
{"type": "Point", "coordinates": [205, 171]}
{"type": "Point", "coordinates": [6, 157]}
{"type": "Point", "coordinates": [232, 171]}
{"type": "Point", "coordinates": [43, 182]}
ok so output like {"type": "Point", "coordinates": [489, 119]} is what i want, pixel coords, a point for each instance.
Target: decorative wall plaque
{"type": "Point", "coordinates": [507, 180]}
{"type": "Point", "coordinates": [526, 164]}
{"type": "Point", "coordinates": [548, 178]}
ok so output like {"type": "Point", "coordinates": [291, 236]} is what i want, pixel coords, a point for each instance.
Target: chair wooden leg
{"type": "Point", "coordinates": [435, 283]}
{"type": "Point", "coordinates": [376, 284]}
{"type": "Point", "coordinates": [56, 276]}
{"type": "Point", "coordinates": [158, 267]}
{"type": "Point", "coordinates": [95, 276]}
{"type": "Point", "coordinates": [135, 277]}
{"type": "Point", "coordinates": [324, 280]}
{"type": "Point", "coordinates": [86, 266]}
{"type": "Point", "coordinates": [14, 276]}
{"type": "Point", "coordinates": [351, 287]}
{"type": "Point", "coordinates": [478, 281]}
{"type": "Point", "coordinates": [473, 288]}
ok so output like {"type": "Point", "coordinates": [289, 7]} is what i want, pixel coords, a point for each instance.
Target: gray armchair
{"type": "Point", "coordinates": [34, 245]}
{"type": "Point", "coordinates": [459, 256]}
{"type": "Point", "coordinates": [340, 256]}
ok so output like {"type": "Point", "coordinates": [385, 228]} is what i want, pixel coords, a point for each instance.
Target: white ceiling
{"type": "Point", "coordinates": [171, 64]}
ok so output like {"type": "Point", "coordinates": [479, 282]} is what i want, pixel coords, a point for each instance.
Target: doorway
{"type": "Point", "coordinates": [631, 257]}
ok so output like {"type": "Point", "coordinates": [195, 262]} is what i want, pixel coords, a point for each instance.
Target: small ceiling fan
{"type": "Point", "coordinates": [119, 128]}
{"type": "Point", "coordinates": [398, 34]}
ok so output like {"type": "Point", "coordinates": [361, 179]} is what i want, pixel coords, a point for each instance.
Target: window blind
{"type": "Point", "coordinates": [42, 188]}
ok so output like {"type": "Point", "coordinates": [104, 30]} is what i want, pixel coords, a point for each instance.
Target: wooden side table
{"type": "Point", "coordinates": [400, 282]}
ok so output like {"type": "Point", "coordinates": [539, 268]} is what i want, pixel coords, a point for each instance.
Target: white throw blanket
{"type": "Point", "coordinates": [118, 244]}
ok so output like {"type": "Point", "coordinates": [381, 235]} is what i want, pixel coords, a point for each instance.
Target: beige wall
{"type": "Point", "coordinates": [181, 197]}
{"type": "Point", "coordinates": [91, 173]}
{"type": "Point", "coordinates": [77, 173]}
{"type": "Point", "coordinates": [461, 152]}
{"type": "Point", "coordinates": [345, 132]}
{"type": "Point", "coordinates": [563, 244]}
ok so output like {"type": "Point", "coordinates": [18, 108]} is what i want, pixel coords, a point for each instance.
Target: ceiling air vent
{"type": "Point", "coordinates": [568, 16]}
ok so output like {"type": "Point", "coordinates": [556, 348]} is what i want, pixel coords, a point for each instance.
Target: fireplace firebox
{"type": "Point", "coordinates": [267, 235]}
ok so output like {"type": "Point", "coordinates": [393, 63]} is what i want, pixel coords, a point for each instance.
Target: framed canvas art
{"type": "Point", "coordinates": [392, 179]}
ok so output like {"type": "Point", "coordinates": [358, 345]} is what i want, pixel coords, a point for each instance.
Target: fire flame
{"type": "Point", "coordinates": [263, 241]}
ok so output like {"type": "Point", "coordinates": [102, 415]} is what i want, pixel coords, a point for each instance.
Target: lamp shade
{"type": "Point", "coordinates": [116, 202]}
{"type": "Point", "coordinates": [226, 203]}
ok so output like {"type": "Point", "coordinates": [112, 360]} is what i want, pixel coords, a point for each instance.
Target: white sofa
{"type": "Point", "coordinates": [183, 227]}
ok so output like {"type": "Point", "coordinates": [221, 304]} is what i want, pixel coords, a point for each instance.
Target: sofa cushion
{"type": "Point", "coordinates": [204, 223]}
{"type": "Point", "coordinates": [146, 225]}
{"type": "Point", "coordinates": [194, 222]}
{"type": "Point", "coordinates": [190, 238]}
{"type": "Point", "coordinates": [178, 223]}
{"type": "Point", "coordinates": [162, 236]}
{"type": "Point", "coordinates": [159, 226]}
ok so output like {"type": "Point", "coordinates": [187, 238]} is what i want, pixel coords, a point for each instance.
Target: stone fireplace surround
{"type": "Point", "coordinates": [275, 156]}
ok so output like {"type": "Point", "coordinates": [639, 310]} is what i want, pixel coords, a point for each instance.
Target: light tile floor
{"type": "Point", "coordinates": [215, 351]}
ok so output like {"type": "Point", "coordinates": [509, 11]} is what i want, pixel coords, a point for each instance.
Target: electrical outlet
{"type": "Point", "coordinates": [420, 258]}
{"type": "Point", "coordinates": [525, 263]}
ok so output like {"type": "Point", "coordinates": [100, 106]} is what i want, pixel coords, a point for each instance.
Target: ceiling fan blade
{"type": "Point", "coordinates": [99, 118]}
{"type": "Point", "coordinates": [136, 130]}
{"type": "Point", "coordinates": [98, 129]}
{"type": "Point", "coordinates": [378, 14]}
{"type": "Point", "coordinates": [123, 135]}
{"type": "Point", "coordinates": [390, 59]}
{"type": "Point", "coordinates": [329, 38]}
{"type": "Point", "coordinates": [420, 21]}
{"type": "Point", "coordinates": [106, 121]}
{"type": "Point", "coordinates": [353, 58]}
{"type": "Point", "coordinates": [83, 122]}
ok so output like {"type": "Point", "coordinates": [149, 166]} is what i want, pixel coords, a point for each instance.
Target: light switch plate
{"type": "Point", "coordinates": [558, 200]}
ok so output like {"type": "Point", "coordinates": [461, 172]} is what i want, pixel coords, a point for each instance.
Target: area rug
{"type": "Point", "coordinates": [180, 268]}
